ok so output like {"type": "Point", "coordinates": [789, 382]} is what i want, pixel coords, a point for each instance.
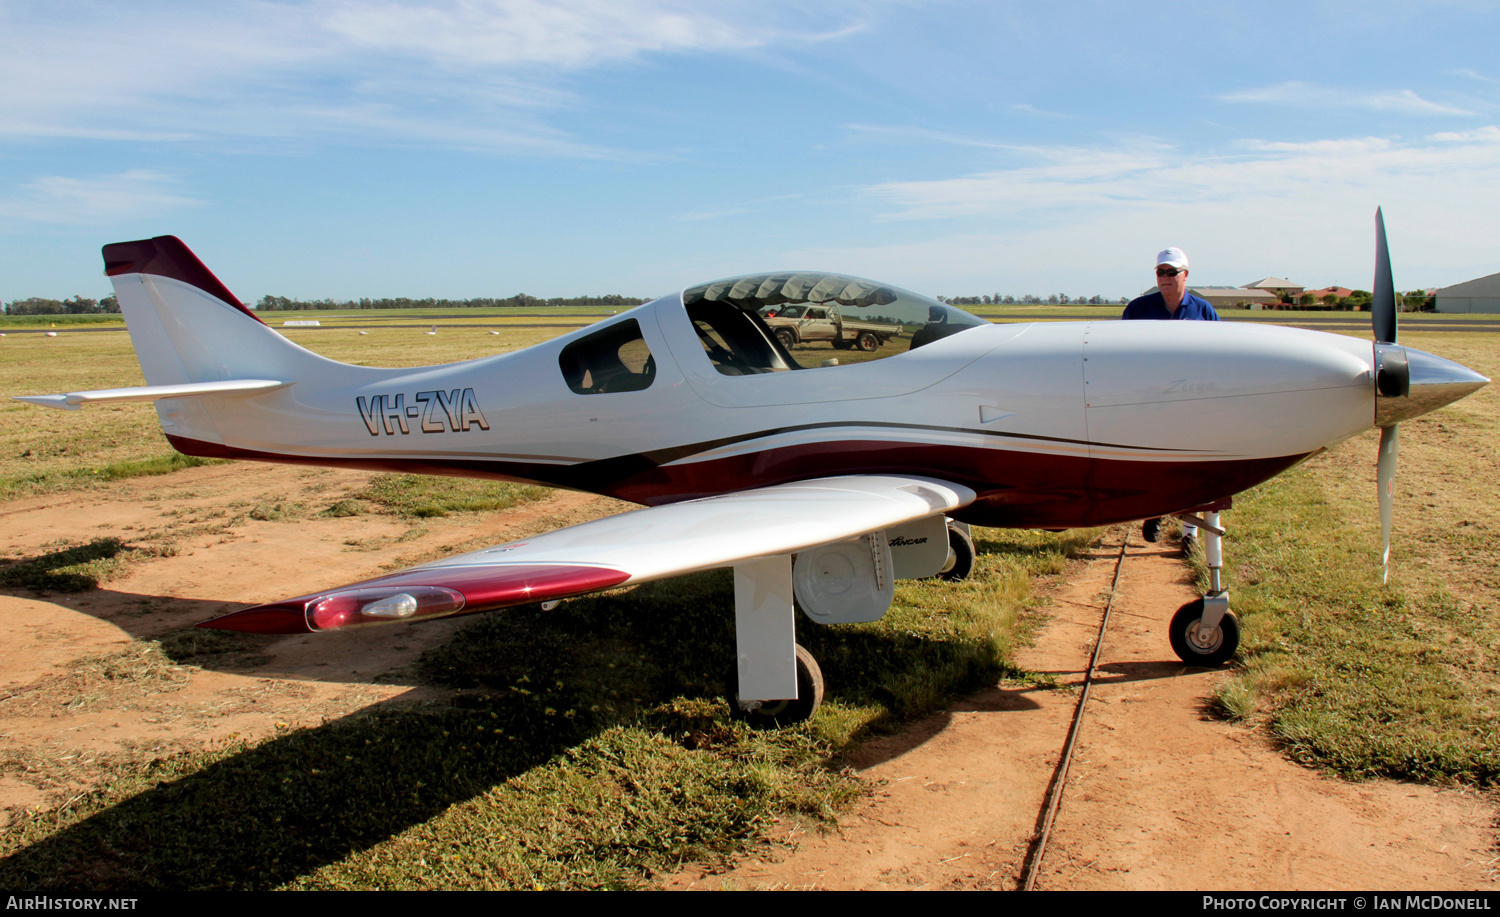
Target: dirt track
{"type": "Point", "coordinates": [1161, 796]}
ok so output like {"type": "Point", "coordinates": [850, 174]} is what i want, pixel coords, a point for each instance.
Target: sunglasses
{"type": "Point", "coordinates": [1170, 271]}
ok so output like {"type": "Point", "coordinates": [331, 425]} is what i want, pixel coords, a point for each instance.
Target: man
{"type": "Point", "coordinates": [1171, 301]}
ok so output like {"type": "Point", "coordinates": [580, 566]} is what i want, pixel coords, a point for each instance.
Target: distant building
{"type": "Point", "coordinates": [1337, 293]}
{"type": "Point", "coordinates": [1481, 295]}
{"type": "Point", "coordinates": [1277, 286]}
{"type": "Point", "coordinates": [1235, 297]}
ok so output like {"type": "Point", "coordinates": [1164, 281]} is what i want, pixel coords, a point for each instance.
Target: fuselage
{"type": "Point", "coordinates": [1053, 425]}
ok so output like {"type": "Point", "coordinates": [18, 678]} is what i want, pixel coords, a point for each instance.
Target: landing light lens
{"type": "Point", "coordinates": [397, 606]}
{"type": "Point", "coordinates": [382, 605]}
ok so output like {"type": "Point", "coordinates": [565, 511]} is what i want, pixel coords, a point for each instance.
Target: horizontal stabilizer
{"type": "Point", "coordinates": [72, 401]}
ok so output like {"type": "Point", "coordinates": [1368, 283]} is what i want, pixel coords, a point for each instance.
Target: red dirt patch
{"type": "Point", "coordinates": [1160, 795]}
{"type": "Point", "coordinates": [79, 691]}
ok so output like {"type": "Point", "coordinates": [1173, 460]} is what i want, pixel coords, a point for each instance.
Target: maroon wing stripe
{"type": "Point", "coordinates": [166, 256]}
{"type": "Point", "coordinates": [484, 588]}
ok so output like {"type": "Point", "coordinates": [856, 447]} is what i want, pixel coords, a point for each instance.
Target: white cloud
{"type": "Point", "coordinates": [1027, 108]}
{"type": "Point", "coordinates": [1069, 218]}
{"type": "Point", "coordinates": [172, 70]}
{"type": "Point", "coordinates": [1128, 176]}
{"type": "Point", "coordinates": [1066, 177]}
{"type": "Point", "coordinates": [1487, 134]}
{"type": "Point", "coordinates": [101, 199]}
{"type": "Point", "coordinates": [1311, 95]}
{"type": "Point", "coordinates": [568, 34]}
{"type": "Point", "coordinates": [1473, 75]}
{"type": "Point", "coordinates": [925, 135]}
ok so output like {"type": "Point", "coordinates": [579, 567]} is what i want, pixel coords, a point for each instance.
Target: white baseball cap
{"type": "Point", "coordinates": [1174, 257]}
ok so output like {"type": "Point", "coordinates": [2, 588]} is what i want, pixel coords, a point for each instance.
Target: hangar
{"type": "Point", "coordinates": [1481, 295]}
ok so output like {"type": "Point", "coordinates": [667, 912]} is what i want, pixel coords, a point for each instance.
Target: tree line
{"type": "Point", "coordinates": [78, 305]}
{"type": "Point", "coordinates": [1357, 301]}
{"type": "Point", "coordinates": [520, 300]}
{"type": "Point", "coordinates": [1057, 299]}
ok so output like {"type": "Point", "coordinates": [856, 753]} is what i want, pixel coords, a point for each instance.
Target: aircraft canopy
{"type": "Point", "coordinates": [811, 315]}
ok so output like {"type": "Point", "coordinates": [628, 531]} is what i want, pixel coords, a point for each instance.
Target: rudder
{"type": "Point", "coordinates": [187, 327]}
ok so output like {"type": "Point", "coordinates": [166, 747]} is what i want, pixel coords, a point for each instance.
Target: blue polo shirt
{"type": "Point", "coordinates": [1152, 306]}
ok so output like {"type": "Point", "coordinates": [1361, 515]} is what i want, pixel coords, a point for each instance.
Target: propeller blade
{"type": "Point", "coordinates": [1385, 479]}
{"type": "Point", "coordinates": [1383, 301]}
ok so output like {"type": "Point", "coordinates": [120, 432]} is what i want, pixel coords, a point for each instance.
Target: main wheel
{"type": "Point", "coordinates": [867, 342]}
{"type": "Point", "coordinates": [787, 337]}
{"type": "Point", "coordinates": [776, 714]}
{"type": "Point", "coordinates": [1196, 648]}
{"type": "Point", "coordinates": [960, 555]}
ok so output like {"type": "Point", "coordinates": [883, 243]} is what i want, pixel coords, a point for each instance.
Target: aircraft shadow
{"type": "Point", "coordinates": [171, 622]}
{"type": "Point", "coordinates": [525, 686]}
{"type": "Point", "coordinates": [263, 816]}
{"type": "Point", "coordinates": [1120, 673]}
{"type": "Point", "coordinates": [1117, 673]}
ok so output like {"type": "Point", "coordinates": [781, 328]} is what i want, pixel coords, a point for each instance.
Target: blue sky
{"type": "Point", "coordinates": [458, 148]}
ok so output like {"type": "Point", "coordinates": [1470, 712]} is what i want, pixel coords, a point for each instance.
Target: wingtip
{"type": "Point", "coordinates": [276, 618]}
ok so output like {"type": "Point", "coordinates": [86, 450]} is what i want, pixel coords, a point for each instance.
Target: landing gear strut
{"type": "Point", "coordinates": [773, 682]}
{"type": "Point", "coordinates": [773, 714]}
{"type": "Point", "coordinates": [1205, 632]}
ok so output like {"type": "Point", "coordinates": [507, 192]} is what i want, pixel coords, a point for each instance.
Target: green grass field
{"type": "Point", "coordinates": [1352, 676]}
{"type": "Point", "coordinates": [42, 449]}
{"type": "Point", "coordinates": [582, 748]}
{"type": "Point", "coordinates": [587, 747]}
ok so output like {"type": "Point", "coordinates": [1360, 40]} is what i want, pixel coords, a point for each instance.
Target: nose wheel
{"type": "Point", "coordinates": [1204, 632]}
{"type": "Point", "coordinates": [1198, 640]}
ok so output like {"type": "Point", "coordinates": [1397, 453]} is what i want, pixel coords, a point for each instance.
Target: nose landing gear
{"type": "Point", "coordinates": [1204, 632]}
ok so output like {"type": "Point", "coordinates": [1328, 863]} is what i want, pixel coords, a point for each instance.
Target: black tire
{"type": "Point", "coordinates": [867, 342]}
{"type": "Point", "coordinates": [787, 337]}
{"type": "Point", "coordinates": [962, 546]}
{"type": "Point", "coordinates": [779, 714]}
{"type": "Point", "coordinates": [1185, 623]}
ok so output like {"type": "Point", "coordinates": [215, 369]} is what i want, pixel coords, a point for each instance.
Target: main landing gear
{"type": "Point", "coordinates": [773, 714]}
{"type": "Point", "coordinates": [774, 682]}
{"type": "Point", "coordinates": [961, 553]}
{"type": "Point", "coordinates": [1204, 632]}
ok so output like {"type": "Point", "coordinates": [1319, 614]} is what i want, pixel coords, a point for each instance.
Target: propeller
{"type": "Point", "coordinates": [1385, 477]}
{"type": "Point", "coordinates": [1408, 383]}
{"type": "Point", "coordinates": [1392, 378]}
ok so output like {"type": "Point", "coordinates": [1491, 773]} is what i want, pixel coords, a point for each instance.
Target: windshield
{"type": "Point", "coordinates": [818, 319]}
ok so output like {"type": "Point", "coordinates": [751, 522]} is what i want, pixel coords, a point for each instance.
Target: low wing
{"type": "Point", "coordinates": [634, 547]}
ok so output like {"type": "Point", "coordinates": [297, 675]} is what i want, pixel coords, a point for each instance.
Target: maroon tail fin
{"type": "Point", "coordinates": [166, 256]}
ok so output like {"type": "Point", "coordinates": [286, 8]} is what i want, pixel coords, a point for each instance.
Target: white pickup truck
{"type": "Point", "coordinates": [811, 323]}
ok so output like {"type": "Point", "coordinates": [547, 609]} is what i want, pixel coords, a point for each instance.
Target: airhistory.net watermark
{"type": "Point", "coordinates": [48, 903]}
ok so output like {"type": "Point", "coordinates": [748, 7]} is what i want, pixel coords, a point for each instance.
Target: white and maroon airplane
{"type": "Point", "coordinates": [822, 476]}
